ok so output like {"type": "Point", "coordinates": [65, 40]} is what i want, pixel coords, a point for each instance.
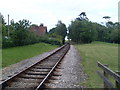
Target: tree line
{"type": "Point", "coordinates": [20, 34]}
{"type": "Point", "coordinates": [81, 30]}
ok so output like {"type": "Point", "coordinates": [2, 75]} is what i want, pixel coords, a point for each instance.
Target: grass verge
{"type": "Point", "coordinates": [16, 54]}
{"type": "Point", "coordinates": [106, 53]}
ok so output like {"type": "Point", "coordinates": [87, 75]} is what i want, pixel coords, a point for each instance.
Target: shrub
{"type": "Point", "coordinates": [6, 43]}
{"type": "Point", "coordinates": [50, 40]}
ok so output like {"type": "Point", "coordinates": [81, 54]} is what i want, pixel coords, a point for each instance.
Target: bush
{"type": "Point", "coordinates": [6, 43]}
{"type": "Point", "coordinates": [29, 39]}
{"type": "Point", "coordinates": [50, 40]}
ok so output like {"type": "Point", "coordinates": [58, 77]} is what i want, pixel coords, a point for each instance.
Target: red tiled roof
{"type": "Point", "coordinates": [39, 30]}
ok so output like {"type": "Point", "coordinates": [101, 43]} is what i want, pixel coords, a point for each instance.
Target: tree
{"type": "Point", "coordinates": [52, 31]}
{"type": "Point", "coordinates": [82, 16]}
{"type": "Point", "coordinates": [102, 32]}
{"type": "Point", "coordinates": [115, 33]}
{"type": "Point", "coordinates": [34, 25]}
{"type": "Point", "coordinates": [115, 36]}
{"type": "Point", "coordinates": [60, 29]}
{"type": "Point", "coordinates": [21, 32]}
{"type": "Point", "coordinates": [82, 31]}
{"type": "Point", "coordinates": [0, 30]}
{"type": "Point", "coordinates": [3, 26]}
{"type": "Point", "coordinates": [107, 18]}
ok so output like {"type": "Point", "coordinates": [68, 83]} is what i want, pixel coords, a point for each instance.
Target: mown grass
{"type": "Point", "coordinates": [16, 54]}
{"type": "Point", "coordinates": [0, 58]}
{"type": "Point", "coordinates": [106, 53]}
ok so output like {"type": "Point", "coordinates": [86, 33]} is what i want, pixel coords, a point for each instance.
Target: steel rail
{"type": "Point", "coordinates": [4, 83]}
{"type": "Point", "coordinates": [41, 84]}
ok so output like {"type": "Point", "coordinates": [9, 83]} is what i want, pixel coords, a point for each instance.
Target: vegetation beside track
{"type": "Point", "coordinates": [16, 54]}
{"type": "Point", "coordinates": [106, 53]}
{"type": "Point", "coordinates": [0, 58]}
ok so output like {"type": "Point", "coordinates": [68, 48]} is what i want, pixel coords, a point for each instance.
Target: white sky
{"type": "Point", "coordinates": [50, 11]}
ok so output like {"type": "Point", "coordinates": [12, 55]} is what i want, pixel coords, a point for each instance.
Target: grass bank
{"type": "Point", "coordinates": [106, 53]}
{"type": "Point", "coordinates": [0, 58]}
{"type": "Point", "coordinates": [16, 54]}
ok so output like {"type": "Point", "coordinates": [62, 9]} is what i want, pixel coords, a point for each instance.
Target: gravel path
{"type": "Point", "coordinates": [72, 72]}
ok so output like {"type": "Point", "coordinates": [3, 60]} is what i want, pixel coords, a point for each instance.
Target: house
{"type": "Point", "coordinates": [39, 30]}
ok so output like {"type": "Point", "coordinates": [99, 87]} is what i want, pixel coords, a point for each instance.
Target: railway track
{"type": "Point", "coordinates": [35, 76]}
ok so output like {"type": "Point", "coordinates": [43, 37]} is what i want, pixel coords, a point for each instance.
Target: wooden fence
{"type": "Point", "coordinates": [105, 76]}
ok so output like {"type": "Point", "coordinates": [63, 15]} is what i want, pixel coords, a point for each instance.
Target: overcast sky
{"type": "Point", "coordinates": [50, 11]}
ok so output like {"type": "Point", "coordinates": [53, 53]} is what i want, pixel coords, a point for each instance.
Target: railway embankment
{"type": "Point", "coordinates": [72, 73]}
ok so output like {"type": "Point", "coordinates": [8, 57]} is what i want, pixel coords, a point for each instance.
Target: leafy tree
{"type": "Point", "coordinates": [60, 29]}
{"type": "Point", "coordinates": [34, 25]}
{"type": "Point", "coordinates": [102, 32]}
{"type": "Point", "coordinates": [115, 33]}
{"type": "Point", "coordinates": [52, 31]}
{"type": "Point", "coordinates": [107, 18]}
{"type": "Point", "coordinates": [115, 36]}
{"type": "Point", "coordinates": [82, 31]}
{"type": "Point", "coordinates": [21, 33]}
{"type": "Point", "coordinates": [4, 27]}
{"type": "Point", "coordinates": [82, 16]}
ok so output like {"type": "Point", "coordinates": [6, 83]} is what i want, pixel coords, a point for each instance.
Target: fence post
{"type": "Point", "coordinates": [106, 75]}
{"type": "Point", "coordinates": [118, 84]}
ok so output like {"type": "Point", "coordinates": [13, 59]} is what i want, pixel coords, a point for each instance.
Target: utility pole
{"type": "Point", "coordinates": [8, 25]}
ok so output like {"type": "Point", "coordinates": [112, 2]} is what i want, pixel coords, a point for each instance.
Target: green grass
{"type": "Point", "coordinates": [106, 53]}
{"type": "Point", "coordinates": [0, 58]}
{"type": "Point", "coordinates": [16, 54]}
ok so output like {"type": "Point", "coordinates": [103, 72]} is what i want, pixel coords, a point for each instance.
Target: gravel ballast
{"type": "Point", "coordinates": [72, 72]}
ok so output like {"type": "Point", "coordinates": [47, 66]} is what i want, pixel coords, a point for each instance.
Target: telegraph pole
{"type": "Point", "coordinates": [8, 25]}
